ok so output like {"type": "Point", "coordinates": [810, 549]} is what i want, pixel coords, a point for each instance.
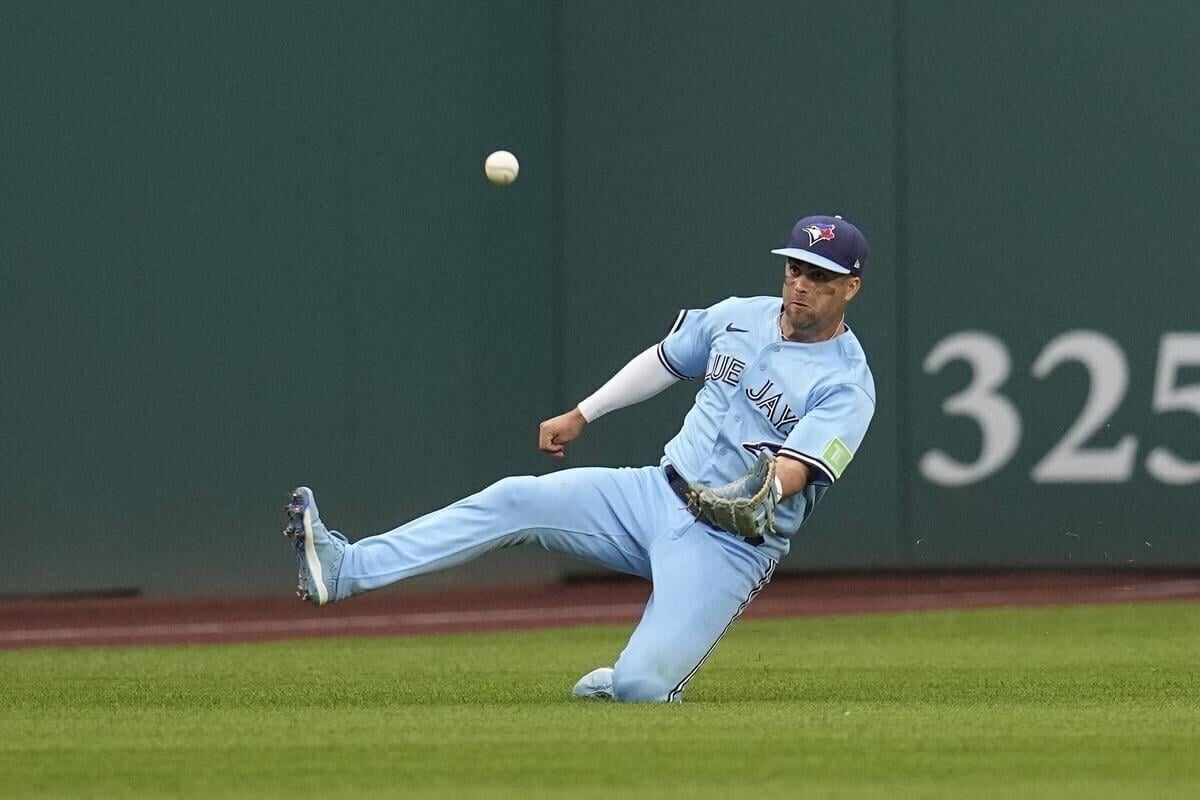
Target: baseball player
{"type": "Point", "coordinates": [785, 401]}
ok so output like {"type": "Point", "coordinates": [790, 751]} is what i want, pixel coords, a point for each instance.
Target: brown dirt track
{"type": "Point", "coordinates": [141, 621]}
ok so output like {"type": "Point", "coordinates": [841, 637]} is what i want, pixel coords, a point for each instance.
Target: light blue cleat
{"type": "Point", "coordinates": [319, 551]}
{"type": "Point", "coordinates": [596, 685]}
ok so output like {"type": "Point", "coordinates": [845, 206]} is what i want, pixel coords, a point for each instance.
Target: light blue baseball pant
{"type": "Point", "coordinates": [625, 519]}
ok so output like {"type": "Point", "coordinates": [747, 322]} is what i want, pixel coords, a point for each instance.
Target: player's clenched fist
{"type": "Point", "coordinates": [557, 431]}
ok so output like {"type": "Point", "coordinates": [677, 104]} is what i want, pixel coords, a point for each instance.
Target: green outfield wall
{"type": "Point", "coordinates": [247, 245]}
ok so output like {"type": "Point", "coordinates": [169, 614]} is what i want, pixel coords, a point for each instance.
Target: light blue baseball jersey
{"type": "Point", "coordinates": [807, 401]}
{"type": "Point", "coordinates": [811, 402]}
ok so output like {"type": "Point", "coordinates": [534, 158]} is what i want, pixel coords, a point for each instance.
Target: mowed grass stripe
{"type": "Point", "coordinates": [1092, 701]}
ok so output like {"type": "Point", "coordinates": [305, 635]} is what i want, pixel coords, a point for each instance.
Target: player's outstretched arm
{"type": "Point", "coordinates": [642, 378]}
{"type": "Point", "coordinates": [554, 433]}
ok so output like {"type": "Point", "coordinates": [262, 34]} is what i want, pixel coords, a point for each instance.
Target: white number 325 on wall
{"type": "Point", "coordinates": [1069, 461]}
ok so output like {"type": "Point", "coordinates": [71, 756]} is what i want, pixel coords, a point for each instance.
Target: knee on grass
{"type": "Point", "coordinates": [633, 687]}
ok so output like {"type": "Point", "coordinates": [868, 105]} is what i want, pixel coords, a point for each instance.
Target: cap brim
{"type": "Point", "coordinates": [812, 258]}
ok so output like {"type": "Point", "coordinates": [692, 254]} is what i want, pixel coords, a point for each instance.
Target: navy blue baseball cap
{"type": "Point", "coordinates": [829, 243]}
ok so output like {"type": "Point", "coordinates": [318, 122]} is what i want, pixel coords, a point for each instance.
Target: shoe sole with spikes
{"type": "Point", "coordinates": [299, 530]}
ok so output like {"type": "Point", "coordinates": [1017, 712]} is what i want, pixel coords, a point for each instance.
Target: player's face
{"type": "Point", "coordinates": [815, 299]}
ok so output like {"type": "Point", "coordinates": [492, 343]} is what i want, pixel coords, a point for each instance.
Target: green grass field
{"type": "Point", "coordinates": [1086, 702]}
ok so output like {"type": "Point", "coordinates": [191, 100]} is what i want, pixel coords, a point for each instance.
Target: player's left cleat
{"type": "Point", "coordinates": [596, 685]}
{"type": "Point", "coordinates": [319, 551]}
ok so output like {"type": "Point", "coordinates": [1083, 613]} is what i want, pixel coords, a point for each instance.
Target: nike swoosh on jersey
{"type": "Point", "coordinates": [730, 329]}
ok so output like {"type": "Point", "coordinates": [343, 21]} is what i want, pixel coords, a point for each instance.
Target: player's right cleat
{"type": "Point", "coordinates": [319, 551]}
{"type": "Point", "coordinates": [596, 685]}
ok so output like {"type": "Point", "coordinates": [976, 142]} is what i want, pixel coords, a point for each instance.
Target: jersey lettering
{"type": "Point", "coordinates": [726, 369]}
{"type": "Point", "coordinates": [770, 405]}
{"type": "Point", "coordinates": [787, 420]}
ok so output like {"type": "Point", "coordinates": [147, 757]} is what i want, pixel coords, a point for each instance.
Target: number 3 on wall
{"type": "Point", "coordinates": [999, 423]}
{"type": "Point", "coordinates": [1069, 461]}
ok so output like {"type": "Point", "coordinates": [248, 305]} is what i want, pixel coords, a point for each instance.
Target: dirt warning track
{"type": "Point", "coordinates": [155, 621]}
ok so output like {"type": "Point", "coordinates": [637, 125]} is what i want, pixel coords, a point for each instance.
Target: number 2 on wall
{"type": "Point", "coordinates": [1108, 375]}
{"type": "Point", "coordinates": [1070, 460]}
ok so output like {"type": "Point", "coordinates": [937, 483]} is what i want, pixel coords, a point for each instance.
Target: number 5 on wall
{"type": "Point", "coordinates": [1177, 350]}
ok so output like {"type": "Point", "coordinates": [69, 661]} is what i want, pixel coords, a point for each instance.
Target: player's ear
{"type": "Point", "coordinates": [852, 287]}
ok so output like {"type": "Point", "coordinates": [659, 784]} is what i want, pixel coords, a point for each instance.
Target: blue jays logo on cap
{"type": "Point", "coordinates": [830, 243]}
{"type": "Point", "coordinates": [818, 232]}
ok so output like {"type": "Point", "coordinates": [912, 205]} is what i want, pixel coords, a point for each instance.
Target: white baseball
{"type": "Point", "coordinates": [501, 167]}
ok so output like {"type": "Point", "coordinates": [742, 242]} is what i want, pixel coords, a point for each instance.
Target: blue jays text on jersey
{"type": "Point", "coordinates": [808, 401]}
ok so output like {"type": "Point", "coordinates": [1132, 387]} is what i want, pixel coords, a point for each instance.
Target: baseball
{"type": "Point", "coordinates": [501, 167]}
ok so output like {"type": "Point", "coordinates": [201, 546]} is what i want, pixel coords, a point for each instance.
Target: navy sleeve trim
{"type": "Point", "coordinates": [826, 471]}
{"type": "Point", "coordinates": [678, 321]}
{"type": "Point", "coordinates": [662, 356]}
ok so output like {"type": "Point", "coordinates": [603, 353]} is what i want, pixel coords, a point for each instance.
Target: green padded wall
{"type": "Point", "coordinates": [245, 245]}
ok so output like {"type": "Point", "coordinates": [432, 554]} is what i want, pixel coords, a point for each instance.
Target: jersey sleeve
{"type": "Point", "coordinates": [827, 437]}
{"type": "Point", "coordinates": [684, 351]}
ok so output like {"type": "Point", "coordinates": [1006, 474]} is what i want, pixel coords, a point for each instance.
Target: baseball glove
{"type": "Point", "coordinates": [746, 506]}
